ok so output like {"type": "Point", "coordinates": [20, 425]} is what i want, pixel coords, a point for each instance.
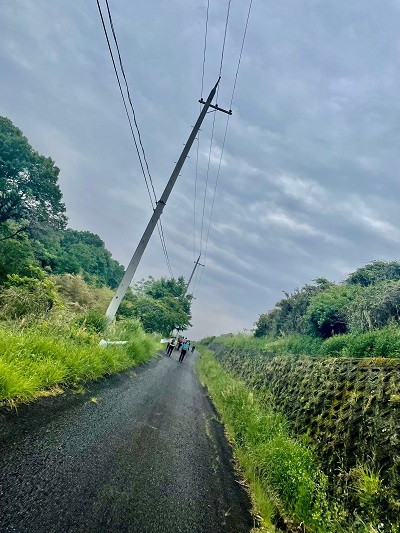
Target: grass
{"type": "Point", "coordinates": [285, 479]}
{"type": "Point", "coordinates": [36, 359]}
{"type": "Point", "coordinates": [379, 343]}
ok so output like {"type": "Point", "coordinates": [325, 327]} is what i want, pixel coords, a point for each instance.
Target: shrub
{"type": "Point", "coordinates": [93, 321]}
{"type": "Point", "coordinates": [327, 312]}
{"type": "Point", "coordinates": [28, 296]}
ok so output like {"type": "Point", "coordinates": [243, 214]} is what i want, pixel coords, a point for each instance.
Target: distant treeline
{"type": "Point", "coordinates": [367, 300]}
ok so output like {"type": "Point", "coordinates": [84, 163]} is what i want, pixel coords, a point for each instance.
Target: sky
{"type": "Point", "coordinates": [308, 184]}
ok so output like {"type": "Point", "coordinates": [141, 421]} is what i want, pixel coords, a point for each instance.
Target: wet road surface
{"type": "Point", "coordinates": [141, 451]}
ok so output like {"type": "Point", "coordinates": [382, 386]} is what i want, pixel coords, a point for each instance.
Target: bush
{"type": "Point", "coordinates": [327, 312]}
{"type": "Point", "coordinates": [29, 296]}
{"type": "Point", "coordinates": [334, 346]}
{"type": "Point", "coordinates": [93, 321]}
{"type": "Point", "coordinates": [383, 342]}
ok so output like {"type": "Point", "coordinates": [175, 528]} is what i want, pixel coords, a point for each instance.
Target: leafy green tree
{"type": "Point", "coordinates": [84, 252]}
{"type": "Point", "coordinates": [161, 305]}
{"type": "Point", "coordinates": [29, 187]}
{"type": "Point", "coordinates": [16, 253]}
{"type": "Point", "coordinates": [289, 315]}
{"type": "Point", "coordinates": [267, 324]}
{"type": "Point", "coordinates": [327, 312]}
{"type": "Point", "coordinates": [375, 272]}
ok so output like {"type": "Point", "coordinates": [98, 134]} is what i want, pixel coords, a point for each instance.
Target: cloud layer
{"type": "Point", "coordinates": [308, 184]}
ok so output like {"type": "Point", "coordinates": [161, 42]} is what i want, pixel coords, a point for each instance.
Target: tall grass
{"type": "Point", "coordinates": [384, 342]}
{"type": "Point", "coordinates": [285, 478]}
{"type": "Point", "coordinates": [35, 359]}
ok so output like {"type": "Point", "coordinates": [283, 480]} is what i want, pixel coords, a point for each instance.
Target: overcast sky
{"type": "Point", "coordinates": [308, 185]}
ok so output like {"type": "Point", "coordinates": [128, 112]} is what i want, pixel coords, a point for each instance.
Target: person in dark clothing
{"type": "Point", "coordinates": [193, 347]}
{"type": "Point", "coordinates": [171, 346]}
{"type": "Point", "coordinates": [185, 348]}
{"type": "Point", "coordinates": [180, 342]}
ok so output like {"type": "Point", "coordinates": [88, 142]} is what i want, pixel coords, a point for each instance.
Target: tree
{"type": "Point", "coordinates": [161, 305]}
{"type": "Point", "coordinates": [267, 324]}
{"type": "Point", "coordinates": [29, 187]}
{"type": "Point", "coordinates": [84, 252]}
{"type": "Point", "coordinates": [16, 253]}
{"type": "Point", "coordinates": [327, 312]}
{"type": "Point", "coordinates": [289, 315]}
{"type": "Point", "coordinates": [375, 272]}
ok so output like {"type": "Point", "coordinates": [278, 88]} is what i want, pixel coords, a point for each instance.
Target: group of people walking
{"type": "Point", "coordinates": [182, 344]}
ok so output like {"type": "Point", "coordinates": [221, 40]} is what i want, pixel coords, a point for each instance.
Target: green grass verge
{"type": "Point", "coordinates": [35, 360]}
{"type": "Point", "coordinates": [285, 479]}
{"type": "Point", "coordinates": [384, 342]}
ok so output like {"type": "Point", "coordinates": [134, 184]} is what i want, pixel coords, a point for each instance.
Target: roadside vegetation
{"type": "Point", "coordinates": [42, 360]}
{"type": "Point", "coordinates": [320, 392]}
{"type": "Point", "coordinates": [288, 487]}
{"type": "Point", "coordinates": [356, 318]}
{"type": "Point", "coordinates": [56, 284]}
{"type": "Point", "coordinates": [307, 469]}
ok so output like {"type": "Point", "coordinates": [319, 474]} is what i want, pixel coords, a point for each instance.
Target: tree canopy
{"type": "Point", "coordinates": [161, 305]}
{"type": "Point", "coordinates": [375, 272]}
{"type": "Point", "coordinates": [29, 187]}
{"type": "Point", "coordinates": [368, 299]}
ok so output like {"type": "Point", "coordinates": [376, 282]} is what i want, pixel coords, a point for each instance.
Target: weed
{"type": "Point", "coordinates": [35, 359]}
{"type": "Point", "coordinates": [285, 478]}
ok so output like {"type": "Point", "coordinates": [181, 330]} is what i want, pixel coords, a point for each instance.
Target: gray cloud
{"type": "Point", "coordinates": [309, 182]}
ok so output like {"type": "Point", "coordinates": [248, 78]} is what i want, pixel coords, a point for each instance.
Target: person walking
{"type": "Point", "coordinates": [171, 345]}
{"type": "Point", "coordinates": [180, 342]}
{"type": "Point", "coordinates": [185, 348]}
{"type": "Point", "coordinates": [193, 347]}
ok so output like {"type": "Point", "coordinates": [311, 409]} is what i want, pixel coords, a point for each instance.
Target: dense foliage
{"type": "Point", "coordinates": [161, 305]}
{"type": "Point", "coordinates": [29, 188]}
{"type": "Point", "coordinates": [45, 266]}
{"type": "Point", "coordinates": [367, 300]}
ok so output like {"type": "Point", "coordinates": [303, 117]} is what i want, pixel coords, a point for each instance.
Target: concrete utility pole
{"type": "Point", "coordinates": [130, 271]}
{"type": "Point", "coordinates": [193, 271]}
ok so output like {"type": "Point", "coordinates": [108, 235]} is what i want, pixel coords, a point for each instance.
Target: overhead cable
{"type": "Point", "coordinates": [224, 139]}
{"type": "Point", "coordinates": [129, 97]}
{"type": "Point", "coordinates": [213, 125]}
{"type": "Point", "coordinates": [159, 226]}
{"type": "Point", "coordinates": [226, 28]}
{"type": "Point", "coordinates": [198, 135]}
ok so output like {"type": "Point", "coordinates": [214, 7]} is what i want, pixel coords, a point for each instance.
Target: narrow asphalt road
{"type": "Point", "coordinates": [137, 452]}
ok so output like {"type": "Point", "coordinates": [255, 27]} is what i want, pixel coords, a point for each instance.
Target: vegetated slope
{"type": "Point", "coordinates": [56, 284]}
{"type": "Point", "coordinates": [349, 410]}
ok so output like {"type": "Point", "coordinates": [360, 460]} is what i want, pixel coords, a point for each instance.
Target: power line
{"type": "Point", "coordinates": [226, 28]}
{"type": "Point", "coordinates": [198, 136]}
{"type": "Point", "coordinates": [241, 52]}
{"type": "Point", "coordinates": [160, 230]}
{"type": "Point", "coordinates": [159, 226]}
{"type": "Point", "coordinates": [129, 97]}
{"type": "Point", "coordinates": [224, 139]}
{"type": "Point", "coordinates": [205, 49]}
{"type": "Point", "coordinates": [205, 187]}
{"type": "Point", "coordinates": [213, 125]}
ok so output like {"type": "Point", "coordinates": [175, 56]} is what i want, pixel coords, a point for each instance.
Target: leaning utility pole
{"type": "Point", "coordinates": [130, 271]}
{"type": "Point", "coordinates": [193, 271]}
